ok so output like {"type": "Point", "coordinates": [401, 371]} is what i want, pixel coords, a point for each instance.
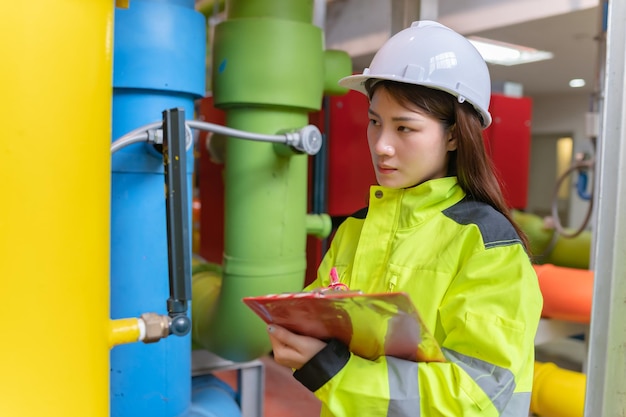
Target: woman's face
{"type": "Point", "coordinates": [408, 147]}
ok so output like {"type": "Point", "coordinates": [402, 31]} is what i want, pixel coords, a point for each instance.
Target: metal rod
{"type": "Point", "coordinates": [176, 205]}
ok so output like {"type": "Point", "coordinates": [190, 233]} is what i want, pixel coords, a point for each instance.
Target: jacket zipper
{"type": "Point", "coordinates": [392, 283]}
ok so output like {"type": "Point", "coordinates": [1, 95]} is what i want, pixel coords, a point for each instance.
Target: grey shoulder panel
{"type": "Point", "coordinates": [360, 214]}
{"type": "Point", "coordinates": [494, 227]}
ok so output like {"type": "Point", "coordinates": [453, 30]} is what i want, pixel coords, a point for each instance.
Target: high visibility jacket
{"type": "Point", "coordinates": [466, 271]}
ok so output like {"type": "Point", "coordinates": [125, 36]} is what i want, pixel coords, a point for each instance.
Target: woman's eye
{"type": "Point", "coordinates": [373, 122]}
{"type": "Point", "coordinates": [403, 129]}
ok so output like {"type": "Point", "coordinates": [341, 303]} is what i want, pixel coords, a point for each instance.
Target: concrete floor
{"type": "Point", "coordinates": [284, 396]}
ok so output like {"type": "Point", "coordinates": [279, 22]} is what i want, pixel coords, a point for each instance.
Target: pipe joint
{"type": "Point", "coordinates": [307, 140]}
{"type": "Point", "coordinates": [180, 325]}
{"type": "Point", "coordinates": [319, 225]}
{"type": "Point", "coordinates": [157, 327]}
{"type": "Point", "coordinates": [155, 137]}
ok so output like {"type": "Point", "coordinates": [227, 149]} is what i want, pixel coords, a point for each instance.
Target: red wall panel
{"type": "Point", "coordinates": [350, 171]}
{"type": "Point", "coordinates": [508, 143]}
{"type": "Point", "coordinates": [210, 183]}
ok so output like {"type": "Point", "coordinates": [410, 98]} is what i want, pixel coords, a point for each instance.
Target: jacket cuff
{"type": "Point", "coordinates": [323, 366]}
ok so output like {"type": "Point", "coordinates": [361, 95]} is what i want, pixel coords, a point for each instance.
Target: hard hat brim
{"type": "Point", "coordinates": [357, 83]}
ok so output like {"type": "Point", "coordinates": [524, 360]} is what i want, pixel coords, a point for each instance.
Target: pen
{"type": "Point", "coordinates": [334, 281]}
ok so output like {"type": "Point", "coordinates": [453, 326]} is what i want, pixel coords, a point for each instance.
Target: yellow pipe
{"type": "Point", "coordinates": [125, 331]}
{"type": "Point", "coordinates": [54, 217]}
{"type": "Point", "coordinates": [557, 392]}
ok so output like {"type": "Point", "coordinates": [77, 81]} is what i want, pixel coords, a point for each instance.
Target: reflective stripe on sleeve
{"type": "Point", "coordinates": [403, 388]}
{"type": "Point", "coordinates": [498, 383]}
{"type": "Point", "coordinates": [518, 406]}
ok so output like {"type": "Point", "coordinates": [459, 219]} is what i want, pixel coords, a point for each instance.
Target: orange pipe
{"type": "Point", "coordinates": [567, 292]}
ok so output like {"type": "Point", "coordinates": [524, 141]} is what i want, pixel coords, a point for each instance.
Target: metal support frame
{"type": "Point", "coordinates": [605, 392]}
{"type": "Point", "coordinates": [551, 329]}
{"type": "Point", "coordinates": [250, 379]}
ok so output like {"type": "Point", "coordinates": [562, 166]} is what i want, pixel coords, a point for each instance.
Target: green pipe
{"type": "Point", "coordinates": [291, 10]}
{"type": "Point", "coordinates": [265, 240]}
{"type": "Point", "coordinates": [207, 7]}
{"type": "Point", "coordinates": [568, 252]}
{"type": "Point", "coordinates": [268, 74]}
{"type": "Point", "coordinates": [337, 64]}
{"type": "Point", "coordinates": [206, 283]}
{"type": "Point", "coordinates": [319, 225]}
{"type": "Point", "coordinates": [268, 62]}
{"type": "Point", "coordinates": [571, 252]}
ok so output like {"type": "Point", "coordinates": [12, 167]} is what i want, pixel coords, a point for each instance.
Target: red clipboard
{"type": "Point", "coordinates": [371, 325]}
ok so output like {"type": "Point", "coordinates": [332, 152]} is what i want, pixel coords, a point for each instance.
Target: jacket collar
{"type": "Point", "coordinates": [412, 206]}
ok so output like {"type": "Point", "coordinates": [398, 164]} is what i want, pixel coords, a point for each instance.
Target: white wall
{"type": "Point", "coordinates": [542, 174]}
{"type": "Point", "coordinates": [564, 115]}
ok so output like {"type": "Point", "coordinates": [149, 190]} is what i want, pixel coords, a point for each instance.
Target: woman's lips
{"type": "Point", "coordinates": [385, 169]}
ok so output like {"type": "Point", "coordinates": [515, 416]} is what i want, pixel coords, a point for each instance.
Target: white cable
{"type": "Point", "coordinates": [128, 140]}
{"type": "Point", "coordinates": [307, 139]}
{"type": "Point", "coordinates": [227, 131]}
{"type": "Point", "coordinates": [134, 136]}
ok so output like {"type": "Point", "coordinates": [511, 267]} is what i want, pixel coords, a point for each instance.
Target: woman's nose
{"type": "Point", "coordinates": [383, 147]}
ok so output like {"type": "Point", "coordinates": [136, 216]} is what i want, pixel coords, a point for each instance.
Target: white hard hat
{"type": "Point", "coordinates": [433, 55]}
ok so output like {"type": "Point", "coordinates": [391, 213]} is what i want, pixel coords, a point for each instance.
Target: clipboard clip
{"type": "Point", "coordinates": [335, 285]}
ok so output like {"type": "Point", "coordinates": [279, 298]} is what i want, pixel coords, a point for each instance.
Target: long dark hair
{"type": "Point", "coordinates": [469, 162]}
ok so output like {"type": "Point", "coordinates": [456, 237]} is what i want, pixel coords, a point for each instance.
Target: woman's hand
{"type": "Point", "coordinates": [291, 349]}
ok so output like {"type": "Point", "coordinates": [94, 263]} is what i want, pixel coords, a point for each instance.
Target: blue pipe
{"type": "Point", "coordinates": [581, 185]}
{"type": "Point", "coordinates": [212, 397]}
{"type": "Point", "coordinates": [159, 63]}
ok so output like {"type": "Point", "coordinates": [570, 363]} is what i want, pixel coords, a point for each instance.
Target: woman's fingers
{"type": "Point", "coordinates": [291, 349]}
{"type": "Point", "coordinates": [282, 335]}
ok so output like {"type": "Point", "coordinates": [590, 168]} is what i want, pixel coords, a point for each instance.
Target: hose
{"type": "Point", "coordinates": [588, 164]}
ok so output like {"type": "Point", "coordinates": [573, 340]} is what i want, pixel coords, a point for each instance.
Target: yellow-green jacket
{"type": "Point", "coordinates": [467, 273]}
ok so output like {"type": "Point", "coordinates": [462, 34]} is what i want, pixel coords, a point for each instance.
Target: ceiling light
{"type": "Point", "coordinates": [502, 53]}
{"type": "Point", "coordinates": [577, 83]}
